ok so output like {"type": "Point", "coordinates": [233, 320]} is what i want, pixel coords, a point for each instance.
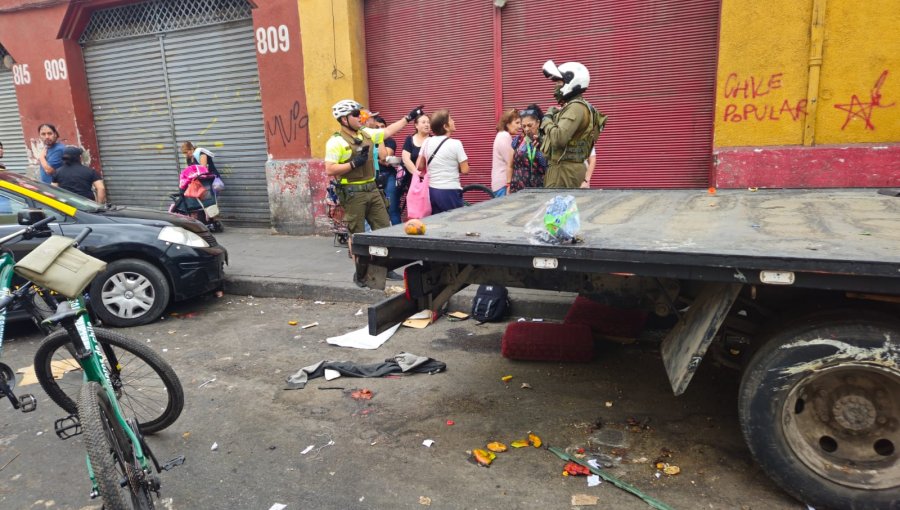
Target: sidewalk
{"type": "Point", "coordinates": [263, 264]}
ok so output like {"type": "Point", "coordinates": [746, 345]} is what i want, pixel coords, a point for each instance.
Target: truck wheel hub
{"type": "Point", "coordinates": [854, 412]}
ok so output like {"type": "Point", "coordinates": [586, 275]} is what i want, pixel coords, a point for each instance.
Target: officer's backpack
{"type": "Point", "coordinates": [597, 123]}
{"type": "Point", "coordinates": [491, 303]}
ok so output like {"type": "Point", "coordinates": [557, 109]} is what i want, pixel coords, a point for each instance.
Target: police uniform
{"type": "Point", "coordinates": [566, 143]}
{"type": "Point", "coordinates": [356, 189]}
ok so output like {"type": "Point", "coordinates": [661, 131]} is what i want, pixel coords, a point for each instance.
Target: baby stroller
{"type": "Point", "coordinates": [336, 213]}
{"type": "Point", "coordinates": [204, 209]}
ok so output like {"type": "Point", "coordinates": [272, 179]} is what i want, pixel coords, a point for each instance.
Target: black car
{"type": "Point", "coordinates": [153, 257]}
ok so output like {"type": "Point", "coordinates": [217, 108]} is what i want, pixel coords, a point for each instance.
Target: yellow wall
{"type": "Point", "coordinates": [334, 65]}
{"type": "Point", "coordinates": [763, 75]}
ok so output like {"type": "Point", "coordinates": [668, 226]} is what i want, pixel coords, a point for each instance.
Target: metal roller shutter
{"type": "Point", "coordinates": [15, 153]}
{"type": "Point", "coordinates": [152, 92]}
{"type": "Point", "coordinates": [214, 85]}
{"type": "Point", "coordinates": [436, 53]}
{"type": "Point", "coordinates": [653, 71]}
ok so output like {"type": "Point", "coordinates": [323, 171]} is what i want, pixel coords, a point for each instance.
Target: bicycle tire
{"type": "Point", "coordinates": [110, 452]}
{"type": "Point", "coordinates": [476, 190]}
{"type": "Point", "coordinates": [144, 383]}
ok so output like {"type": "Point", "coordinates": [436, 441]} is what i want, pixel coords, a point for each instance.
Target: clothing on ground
{"type": "Point", "coordinates": [402, 363]}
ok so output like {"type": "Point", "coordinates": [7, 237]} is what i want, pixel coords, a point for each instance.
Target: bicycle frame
{"type": "Point", "coordinates": [6, 276]}
{"type": "Point", "coordinates": [91, 358]}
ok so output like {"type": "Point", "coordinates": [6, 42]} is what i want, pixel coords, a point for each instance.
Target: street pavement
{"type": "Point", "coordinates": [263, 264]}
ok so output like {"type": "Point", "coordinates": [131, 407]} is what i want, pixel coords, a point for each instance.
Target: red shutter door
{"type": "Point", "coordinates": [436, 53]}
{"type": "Point", "coordinates": [653, 71]}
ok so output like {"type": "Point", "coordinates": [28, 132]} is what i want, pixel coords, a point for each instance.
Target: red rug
{"type": "Point", "coordinates": [544, 341]}
{"type": "Point", "coordinates": [620, 324]}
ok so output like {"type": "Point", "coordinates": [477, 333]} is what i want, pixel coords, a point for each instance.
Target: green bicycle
{"type": "Point", "coordinates": [111, 371]}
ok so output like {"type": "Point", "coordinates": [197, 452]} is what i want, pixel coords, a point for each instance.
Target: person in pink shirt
{"type": "Point", "coordinates": [502, 155]}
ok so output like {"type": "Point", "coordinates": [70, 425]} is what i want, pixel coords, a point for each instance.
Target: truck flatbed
{"type": "Point", "coordinates": [847, 239]}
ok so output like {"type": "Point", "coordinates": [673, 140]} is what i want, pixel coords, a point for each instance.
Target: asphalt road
{"type": "Point", "coordinates": [234, 353]}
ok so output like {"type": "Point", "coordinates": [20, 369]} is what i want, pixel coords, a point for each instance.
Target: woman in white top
{"type": "Point", "coordinates": [502, 159]}
{"type": "Point", "coordinates": [448, 161]}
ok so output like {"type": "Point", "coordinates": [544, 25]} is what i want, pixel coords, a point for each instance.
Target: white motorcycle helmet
{"type": "Point", "coordinates": [344, 107]}
{"type": "Point", "coordinates": [574, 75]}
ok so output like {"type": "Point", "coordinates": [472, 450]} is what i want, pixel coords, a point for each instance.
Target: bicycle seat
{"type": "Point", "coordinates": [63, 311]}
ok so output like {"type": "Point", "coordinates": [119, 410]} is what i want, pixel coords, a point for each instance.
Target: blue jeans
{"type": "Point", "coordinates": [390, 191]}
{"type": "Point", "coordinates": [500, 192]}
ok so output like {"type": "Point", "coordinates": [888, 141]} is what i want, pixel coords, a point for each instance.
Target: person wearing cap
{"type": "Point", "coordinates": [349, 160]}
{"type": "Point", "coordinates": [569, 133]}
{"type": "Point", "coordinates": [77, 178]}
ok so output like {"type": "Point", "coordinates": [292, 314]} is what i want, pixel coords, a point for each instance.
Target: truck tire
{"type": "Point", "coordinates": [129, 292]}
{"type": "Point", "coordinates": [819, 407]}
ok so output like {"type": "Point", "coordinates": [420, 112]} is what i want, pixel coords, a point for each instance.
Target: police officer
{"type": "Point", "coordinates": [569, 133]}
{"type": "Point", "coordinates": [348, 158]}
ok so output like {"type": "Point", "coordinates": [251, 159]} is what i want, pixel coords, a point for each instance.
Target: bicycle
{"type": "Point", "coordinates": [118, 456]}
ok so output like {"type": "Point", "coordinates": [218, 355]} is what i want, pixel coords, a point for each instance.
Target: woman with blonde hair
{"type": "Point", "coordinates": [502, 155]}
{"type": "Point", "coordinates": [445, 160]}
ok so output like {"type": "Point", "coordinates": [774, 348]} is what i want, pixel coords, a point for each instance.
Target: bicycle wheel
{"type": "Point", "coordinates": [111, 454]}
{"type": "Point", "coordinates": [473, 193]}
{"type": "Point", "coordinates": [145, 384]}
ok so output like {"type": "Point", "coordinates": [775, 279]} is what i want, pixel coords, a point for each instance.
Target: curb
{"type": "Point", "coordinates": [524, 302]}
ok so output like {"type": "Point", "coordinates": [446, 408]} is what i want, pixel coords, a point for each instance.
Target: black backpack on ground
{"type": "Point", "coordinates": [491, 303]}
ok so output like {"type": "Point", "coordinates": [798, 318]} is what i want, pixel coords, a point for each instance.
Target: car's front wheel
{"type": "Point", "coordinates": [130, 292]}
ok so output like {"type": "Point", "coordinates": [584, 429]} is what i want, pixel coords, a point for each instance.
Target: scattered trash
{"type": "Point", "coordinates": [574, 469]}
{"type": "Point", "coordinates": [219, 293]}
{"type": "Point", "coordinates": [310, 325]}
{"type": "Point", "coordinates": [165, 350]}
{"type": "Point", "coordinates": [609, 403]}
{"type": "Point", "coordinates": [307, 449]}
{"type": "Point", "coordinates": [525, 386]}
{"type": "Point", "coordinates": [584, 500]}
{"type": "Point", "coordinates": [404, 362]}
{"type": "Point", "coordinates": [484, 457]}
{"type": "Point", "coordinates": [358, 312]}
{"type": "Point", "coordinates": [298, 337]}
{"type": "Point", "coordinates": [534, 440]}
{"type": "Point", "coordinates": [424, 500]}
{"type": "Point", "coordinates": [214, 447]}
{"type": "Point", "coordinates": [428, 442]}
{"type": "Point", "coordinates": [669, 469]}
{"type": "Point", "coordinates": [457, 316]}
{"type": "Point", "coordinates": [473, 234]}
{"type": "Point", "coordinates": [753, 189]}
{"type": "Point", "coordinates": [331, 374]}
{"type": "Point", "coordinates": [363, 394]}
{"type": "Point", "coordinates": [613, 480]}
{"type": "Point", "coordinates": [207, 382]}
{"type": "Point", "coordinates": [10, 461]}
{"type": "Point", "coordinates": [519, 443]}
{"type": "Point", "coordinates": [419, 320]}
{"type": "Point", "coordinates": [277, 506]}
{"type": "Point", "coordinates": [506, 378]}
{"type": "Point", "coordinates": [331, 387]}
{"type": "Point", "coordinates": [292, 323]}
{"type": "Point", "coordinates": [361, 339]}
{"type": "Point", "coordinates": [593, 480]}
{"type": "Point", "coordinates": [496, 447]}
{"type": "Point", "coordinates": [451, 422]}
{"type": "Point", "coordinates": [865, 233]}
{"type": "Point", "coordinates": [609, 437]}
{"type": "Point", "coordinates": [186, 435]}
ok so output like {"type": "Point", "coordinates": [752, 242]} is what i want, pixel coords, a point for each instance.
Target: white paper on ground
{"type": "Point", "coordinates": [361, 339]}
{"type": "Point", "coordinates": [593, 480]}
{"type": "Point", "coordinates": [307, 449]}
{"type": "Point", "coordinates": [424, 314]}
{"type": "Point", "coordinates": [331, 374]}
{"type": "Point", "coordinates": [277, 506]}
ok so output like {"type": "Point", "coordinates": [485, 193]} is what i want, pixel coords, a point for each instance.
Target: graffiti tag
{"type": "Point", "coordinates": [287, 130]}
{"type": "Point", "coordinates": [857, 109]}
{"type": "Point", "coordinates": [752, 89]}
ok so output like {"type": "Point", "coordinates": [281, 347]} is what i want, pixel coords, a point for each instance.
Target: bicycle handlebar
{"type": "Point", "coordinates": [80, 237]}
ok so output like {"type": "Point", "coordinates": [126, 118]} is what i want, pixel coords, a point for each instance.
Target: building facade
{"type": "Point", "coordinates": [699, 93]}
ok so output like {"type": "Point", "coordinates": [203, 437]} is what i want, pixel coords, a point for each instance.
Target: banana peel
{"type": "Point", "coordinates": [534, 440]}
{"type": "Point", "coordinates": [519, 443]}
{"type": "Point", "coordinates": [496, 446]}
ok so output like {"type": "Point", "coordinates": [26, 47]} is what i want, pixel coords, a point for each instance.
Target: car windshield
{"type": "Point", "coordinates": [53, 192]}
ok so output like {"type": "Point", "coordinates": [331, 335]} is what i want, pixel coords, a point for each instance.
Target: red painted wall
{"type": "Point", "coordinates": [29, 35]}
{"type": "Point", "coordinates": [280, 60]}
